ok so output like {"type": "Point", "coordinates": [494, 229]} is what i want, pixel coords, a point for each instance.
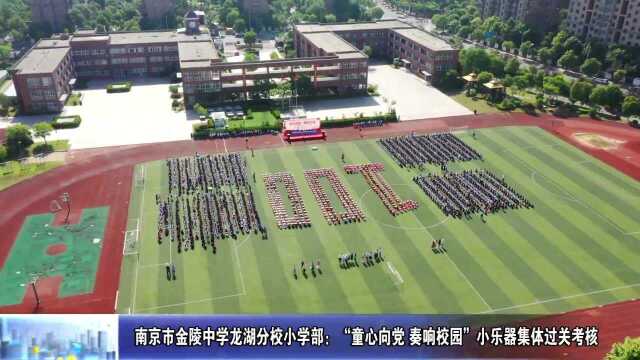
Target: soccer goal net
{"type": "Point", "coordinates": [140, 176]}
{"type": "Point", "coordinates": [131, 237]}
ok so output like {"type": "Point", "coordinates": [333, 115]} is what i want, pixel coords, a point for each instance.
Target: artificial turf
{"type": "Point", "coordinates": [30, 259]}
{"type": "Point", "coordinates": [579, 246]}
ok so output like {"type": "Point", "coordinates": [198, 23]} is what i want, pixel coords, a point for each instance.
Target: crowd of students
{"type": "Point", "coordinates": [206, 172]}
{"type": "Point", "coordinates": [470, 192]}
{"type": "Point", "coordinates": [299, 218]}
{"type": "Point", "coordinates": [373, 177]}
{"type": "Point", "coordinates": [352, 212]}
{"type": "Point", "coordinates": [436, 149]}
{"type": "Point", "coordinates": [209, 199]}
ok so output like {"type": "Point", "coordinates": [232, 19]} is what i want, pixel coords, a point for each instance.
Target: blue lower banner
{"type": "Point", "coordinates": [345, 336]}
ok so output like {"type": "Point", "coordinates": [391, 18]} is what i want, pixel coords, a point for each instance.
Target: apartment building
{"type": "Point", "coordinates": [609, 21]}
{"type": "Point", "coordinates": [540, 15]}
{"type": "Point", "coordinates": [421, 52]}
{"type": "Point", "coordinates": [53, 13]}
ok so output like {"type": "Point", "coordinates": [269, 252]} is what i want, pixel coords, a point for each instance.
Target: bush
{"type": "Point", "coordinates": [566, 110]}
{"type": "Point", "coordinates": [61, 122]}
{"type": "Point", "coordinates": [508, 104]}
{"type": "Point", "coordinates": [119, 87]}
{"type": "Point", "coordinates": [3, 153]}
{"type": "Point", "coordinates": [390, 117]}
{"type": "Point", "coordinates": [174, 89]}
{"type": "Point", "coordinates": [528, 107]}
{"type": "Point", "coordinates": [200, 110]}
{"type": "Point", "coordinates": [593, 113]}
{"type": "Point", "coordinates": [372, 89]}
{"type": "Point", "coordinates": [18, 140]}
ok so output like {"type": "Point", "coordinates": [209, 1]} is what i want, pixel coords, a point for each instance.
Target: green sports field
{"type": "Point", "coordinates": [579, 247]}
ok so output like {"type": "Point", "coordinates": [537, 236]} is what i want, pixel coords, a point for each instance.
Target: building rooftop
{"type": "Point", "coordinates": [330, 42]}
{"type": "Point", "coordinates": [197, 54]}
{"type": "Point", "coordinates": [372, 25]}
{"type": "Point", "coordinates": [52, 43]}
{"type": "Point", "coordinates": [158, 37]}
{"type": "Point", "coordinates": [424, 38]}
{"type": "Point", "coordinates": [40, 61]}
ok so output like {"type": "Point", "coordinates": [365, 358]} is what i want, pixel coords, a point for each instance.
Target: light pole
{"type": "Point", "coordinates": [66, 198]}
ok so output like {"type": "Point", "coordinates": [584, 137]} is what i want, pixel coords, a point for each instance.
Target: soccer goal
{"type": "Point", "coordinates": [140, 176]}
{"type": "Point", "coordinates": [131, 237]}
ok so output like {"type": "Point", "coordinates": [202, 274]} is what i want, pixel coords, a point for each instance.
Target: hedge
{"type": "Point", "coordinates": [390, 117]}
{"type": "Point", "coordinates": [66, 125]}
{"type": "Point", "coordinates": [119, 87]}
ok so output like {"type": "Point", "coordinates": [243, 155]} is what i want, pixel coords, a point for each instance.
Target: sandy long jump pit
{"type": "Point", "coordinates": [598, 141]}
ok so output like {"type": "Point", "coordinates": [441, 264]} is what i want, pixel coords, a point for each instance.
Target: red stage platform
{"type": "Point", "coordinates": [302, 129]}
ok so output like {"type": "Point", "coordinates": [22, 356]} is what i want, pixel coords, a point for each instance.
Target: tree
{"type": "Point", "coordinates": [262, 89]}
{"type": "Point", "coordinates": [303, 85]}
{"type": "Point", "coordinates": [581, 91]}
{"type": "Point", "coordinates": [556, 85]}
{"type": "Point", "coordinates": [5, 52]}
{"type": "Point", "coordinates": [627, 350]}
{"type": "Point", "coordinates": [18, 140]}
{"type": "Point", "coordinates": [609, 96]}
{"type": "Point", "coordinates": [42, 130]}
{"type": "Point", "coordinates": [484, 77]}
{"type": "Point", "coordinates": [367, 50]}
{"type": "Point", "coordinates": [377, 13]}
{"type": "Point", "coordinates": [330, 18]}
{"type": "Point", "coordinates": [545, 55]}
{"type": "Point", "coordinates": [250, 38]}
{"type": "Point", "coordinates": [3, 153]}
{"type": "Point", "coordinates": [591, 67]}
{"type": "Point", "coordinates": [619, 76]}
{"type": "Point", "coordinates": [525, 48]}
{"type": "Point", "coordinates": [474, 60]}
{"type": "Point", "coordinates": [450, 81]}
{"type": "Point", "coordinates": [631, 106]}
{"type": "Point", "coordinates": [508, 46]}
{"type": "Point", "coordinates": [239, 25]}
{"type": "Point", "coordinates": [512, 67]}
{"type": "Point", "coordinates": [569, 60]}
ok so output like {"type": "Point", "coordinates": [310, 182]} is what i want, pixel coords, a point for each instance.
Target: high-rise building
{"type": "Point", "coordinates": [541, 15]}
{"type": "Point", "coordinates": [102, 342]}
{"type": "Point", "coordinates": [609, 21]}
{"type": "Point", "coordinates": [53, 13]}
{"type": "Point", "coordinates": [157, 9]}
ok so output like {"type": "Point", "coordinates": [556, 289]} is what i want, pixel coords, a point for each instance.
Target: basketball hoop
{"type": "Point", "coordinates": [54, 206]}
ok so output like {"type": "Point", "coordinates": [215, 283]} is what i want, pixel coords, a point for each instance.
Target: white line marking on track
{"type": "Point", "coordinates": [225, 145]}
{"type": "Point", "coordinates": [141, 212]}
{"type": "Point", "coordinates": [562, 298]}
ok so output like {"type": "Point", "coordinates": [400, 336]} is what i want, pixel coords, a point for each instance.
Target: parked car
{"type": "Point", "coordinates": [600, 81]}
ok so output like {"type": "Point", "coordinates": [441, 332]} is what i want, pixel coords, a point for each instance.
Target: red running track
{"type": "Point", "coordinates": [102, 177]}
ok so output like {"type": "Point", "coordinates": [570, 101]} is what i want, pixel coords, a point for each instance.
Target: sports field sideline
{"type": "Point", "coordinates": [577, 248]}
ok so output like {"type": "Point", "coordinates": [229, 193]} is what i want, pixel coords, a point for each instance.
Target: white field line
{"type": "Point", "coordinates": [395, 272]}
{"type": "Point", "coordinates": [141, 213]}
{"type": "Point", "coordinates": [469, 282]}
{"type": "Point", "coordinates": [224, 142]}
{"type": "Point", "coordinates": [562, 298]}
{"type": "Point", "coordinates": [115, 305]}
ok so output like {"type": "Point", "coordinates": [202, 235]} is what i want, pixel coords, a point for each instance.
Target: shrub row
{"type": "Point", "coordinates": [58, 124]}
{"type": "Point", "coordinates": [390, 117]}
{"type": "Point", "coordinates": [119, 87]}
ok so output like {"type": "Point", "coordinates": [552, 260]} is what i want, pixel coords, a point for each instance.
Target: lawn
{"type": "Point", "coordinates": [74, 99]}
{"type": "Point", "coordinates": [14, 172]}
{"type": "Point", "coordinates": [257, 122]}
{"type": "Point", "coordinates": [478, 103]}
{"type": "Point", "coordinates": [577, 248]}
{"type": "Point", "coordinates": [51, 146]}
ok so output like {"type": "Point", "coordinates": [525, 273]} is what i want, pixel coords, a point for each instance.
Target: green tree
{"type": "Point", "coordinates": [581, 91]}
{"type": "Point", "coordinates": [545, 55]}
{"type": "Point", "coordinates": [239, 25]}
{"type": "Point", "coordinates": [631, 106]}
{"type": "Point", "coordinates": [569, 60]}
{"type": "Point", "coordinates": [525, 48]}
{"type": "Point", "coordinates": [450, 81]}
{"type": "Point", "coordinates": [250, 38]}
{"type": "Point", "coordinates": [42, 130]}
{"type": "Point", "coordinates": [508, 46]}
{"type": "Point", "coordinates": [591, 67]}
{"type": "Point", "coordinates": [512, 67]}
{"type": "Point", "coordinates": [262, 89]}
{"type": "Point", "coordinates": [3, 153]}
{"type": "Point", "coordinates": [556, 85]}
{"type": "Point", "coordinates": [619, 76]}
{"type": "Point", "coordinates": [367, 50]}
{"type": "Point", "coordinates": [377, 13]}
{"type": "Point", "coordinates": [330, 18]}
{"type": "Point", "coordinates": [303, 85]}
{"type": "Point", "coordinates": [609, 96]}
{"type": "Point", "coordinates": [474, 60]}
{"type": "Point", "coordinates": [627, 350]}
{"type": "Point", "coordinates": [18, 140]}
{"type": "Point", "coordinates": [484, 77]}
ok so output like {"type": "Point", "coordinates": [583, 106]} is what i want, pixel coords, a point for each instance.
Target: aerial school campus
{"type": "Point", "coordinates": [464, 214]}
